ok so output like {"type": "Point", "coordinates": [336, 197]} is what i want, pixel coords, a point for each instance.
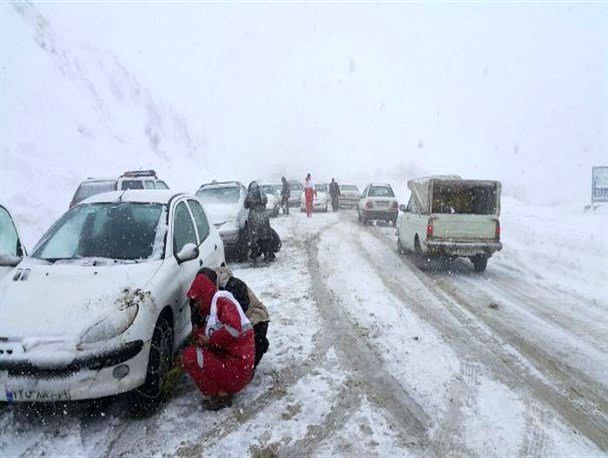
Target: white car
{"type": "Point", "coordinates": [449, 216]}
{"type": "Point", "coordinates": [321, 201]}
{"type": "Point", "coordinates": [349, 195]}
{"type": "Point", "coordinates": [100, 307]}
{"type": "Point", "coordinates": [378, 202]}
{"type": "Point", "coordinates": [140, 179]}
{"type": "Point", "coordinates": [11, 248]}
{"type": "Point", "coordinates": [274, 199]}
{"type": "Point", "coordinates": [224, 203]}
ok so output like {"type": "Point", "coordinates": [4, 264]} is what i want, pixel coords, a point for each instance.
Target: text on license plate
{"type": "Point", "coordinates": [35, 395]}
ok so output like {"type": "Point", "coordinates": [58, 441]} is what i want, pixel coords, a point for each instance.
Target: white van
{"type": "Point", "coordinates": [449, 216]}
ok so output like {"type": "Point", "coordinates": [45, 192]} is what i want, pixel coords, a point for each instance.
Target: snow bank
{"type": "Point", "coordinates": [70, 112]}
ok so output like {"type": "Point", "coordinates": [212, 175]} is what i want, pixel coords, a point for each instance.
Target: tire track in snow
{"type": "Point", "coordinates": [381, 388]}
{"type": "Point", "coordinates": [574, 398]}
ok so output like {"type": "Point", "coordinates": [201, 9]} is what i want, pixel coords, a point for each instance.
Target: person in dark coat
{"type": "Point", "coordinates": [258, 223]}
{"type": "Point", "coordinates": [334, 193]}
{"type": "Point", "coordinates": [254, 309]}
{"type": "Point", "coordinates": [285, 195]}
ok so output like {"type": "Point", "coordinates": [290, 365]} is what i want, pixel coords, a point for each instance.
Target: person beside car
{"type": "Point", "coordinates": [222, 358]}
{"type": "Point", "coordinates": [254, 309]}
{"type": "Point", "coordinates": [285, 195]}
{"type": "Point", "coordinates": [259, 232]}
{"type": "Point", "coordinates": [334, 193]}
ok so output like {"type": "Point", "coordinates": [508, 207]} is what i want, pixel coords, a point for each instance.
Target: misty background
{"type": "Point", "coordinates": [359, 91]}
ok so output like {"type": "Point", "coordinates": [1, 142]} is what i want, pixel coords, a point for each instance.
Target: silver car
{"type": "Point", "coordinates": [349, 196]}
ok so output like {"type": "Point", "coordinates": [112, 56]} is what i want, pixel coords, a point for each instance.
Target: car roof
{"type": "Point", "coordinates": [349, 184]}
{"type": "Point", "coordinates": [161, 196]}
{"type": "Point", "coordinates": [381, 184]}
{"type": "Point", "coordinates": [97, 180]}
{"type": "Point", "coordinates": [223, 184]}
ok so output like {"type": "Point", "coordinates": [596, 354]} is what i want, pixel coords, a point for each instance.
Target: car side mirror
{"type": "Point", "coordinates": [403, 208]}
{"type": "Point", "coordinates": [188, 252]}
{"type": "Point", "coordinates": [9, 260]}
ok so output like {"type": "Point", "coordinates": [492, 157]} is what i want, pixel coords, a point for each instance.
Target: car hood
{"type": "Point", "coordinates": [64, 299]}
{"type": "Point", "coordinates": [220, 213]}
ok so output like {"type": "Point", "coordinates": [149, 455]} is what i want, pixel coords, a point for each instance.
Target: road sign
{"type": "Point", "coordinates": [599, 184]}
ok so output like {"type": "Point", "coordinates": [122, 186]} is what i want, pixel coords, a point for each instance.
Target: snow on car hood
{"type": "Point", "coordinates": [220, 213]}
{"type": "Point", "coordinates": [63, 300]}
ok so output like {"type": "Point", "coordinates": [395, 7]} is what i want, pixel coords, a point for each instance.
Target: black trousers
{"type": "Point", "coordinates": [261, 342]}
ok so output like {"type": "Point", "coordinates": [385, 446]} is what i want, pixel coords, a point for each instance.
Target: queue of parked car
{"type": "Point", "coordinates": [107, 283]}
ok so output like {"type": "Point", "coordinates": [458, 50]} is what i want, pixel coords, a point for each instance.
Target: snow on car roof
{"type": "Point", "coordinates": [380, 184]}
{"type": "Point", "coordinates": [161, 196]}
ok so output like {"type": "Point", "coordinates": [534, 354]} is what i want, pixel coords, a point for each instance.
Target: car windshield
{"type": "Point", "coordinates": [349, 188]}
{"type": "Point", "coordinates": [222, 195]}
{"type": "Point", "coordinates": [295, 187]}
{"type": "Point", "coordinates": [124, 231]}
{"type": "Point", "coordinates": [268, 189]}
{"type": "Point", "coordinates": [321, 188]}
{"type": "Point", "coordinates": [380, 191]}
{"type": "Point", "coordinates": [92, 188]}
{"type": "Point", "coordinates": [131, 184]}
{"type": "Point", "coordinates": [9, 241]}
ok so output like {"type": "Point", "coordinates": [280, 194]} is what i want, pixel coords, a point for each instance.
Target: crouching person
{"type": "Point", "coordinates": [254, 309]}
{"type": "Point", "coordinates": [222, 359]}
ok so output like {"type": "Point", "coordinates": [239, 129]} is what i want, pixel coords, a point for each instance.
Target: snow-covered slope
{"type": "Point", "coordinates": [69, 112]}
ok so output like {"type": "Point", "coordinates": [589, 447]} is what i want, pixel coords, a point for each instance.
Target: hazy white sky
{"type": "Point", "coordinates": [496, 90]}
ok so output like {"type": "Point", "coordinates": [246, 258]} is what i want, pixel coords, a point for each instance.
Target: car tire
{"type": "Point", "coordinates": [480, 262]}
{"type": "Point", "coordinates": [146, 399]}
{"type": "Point", "coordinates": [241, 246]}
{"type": "Point", "coordinates": [417, 247]}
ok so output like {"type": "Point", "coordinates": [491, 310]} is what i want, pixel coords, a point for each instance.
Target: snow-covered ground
{"type": "Point", "coordinates": [373, 353]}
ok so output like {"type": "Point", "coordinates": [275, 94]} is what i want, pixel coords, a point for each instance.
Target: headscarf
{"type": "Point", "coordinates": [201, 292]}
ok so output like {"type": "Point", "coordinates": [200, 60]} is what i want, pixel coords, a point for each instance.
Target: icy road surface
{"type": "Point", "coordinates": [373, 353]}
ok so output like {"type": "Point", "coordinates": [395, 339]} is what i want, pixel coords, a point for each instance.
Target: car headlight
{"type": "Point", "coordinates": [113, 325]}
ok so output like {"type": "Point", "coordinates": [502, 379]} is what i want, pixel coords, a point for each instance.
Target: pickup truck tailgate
{"type": "Point", "coordinates": [460, 227]}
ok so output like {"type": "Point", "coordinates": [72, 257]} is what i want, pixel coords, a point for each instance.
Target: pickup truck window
{"type": "Point", "coordinates": [464, 199]}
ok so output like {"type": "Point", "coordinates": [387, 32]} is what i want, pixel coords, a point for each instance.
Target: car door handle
{"type": "Point", "coordinates": [200, 262]}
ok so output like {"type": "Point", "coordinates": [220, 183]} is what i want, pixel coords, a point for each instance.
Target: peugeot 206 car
{"type": "Point", "coordinates": [100, 307]}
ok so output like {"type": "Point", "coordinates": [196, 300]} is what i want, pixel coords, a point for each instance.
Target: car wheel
{"type": "Point", "coordinates": [241, 246]}
{"type": "Point", "coordinates": [148, 397]}
{"type": "Point", "coordinates": [480, 262]}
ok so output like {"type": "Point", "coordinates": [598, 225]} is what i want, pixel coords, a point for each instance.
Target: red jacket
{"type": "Point", "coordinates": [227, 364]}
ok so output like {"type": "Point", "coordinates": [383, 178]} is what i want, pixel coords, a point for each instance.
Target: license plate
{"type": "Point", "coordinates": [36, 395]}
{"type": "Point", "coordinates": [382, 204]}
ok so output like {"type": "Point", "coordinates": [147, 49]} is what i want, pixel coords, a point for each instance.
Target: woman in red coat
{"type": "Point", "coordinates": [221, 363]}
{"type": "Point", "coordinates": [309, 195]}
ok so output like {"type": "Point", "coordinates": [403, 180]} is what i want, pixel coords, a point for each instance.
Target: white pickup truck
{"type": "Point", "coordinates": [449, 216]}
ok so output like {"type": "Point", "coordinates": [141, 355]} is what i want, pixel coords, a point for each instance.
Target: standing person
{"type": "Point", "coordinates": [334, 193]}
{"type": "Point", "coordinates": [285, 195]}
{"type": "Point", "coordinates": [258, 224]}
{"type": "Point", "coordinates": [254, 309]}
{"type": "Point", "coordinates": [221, 361]}
{"type": "Point", "coordinates": [309, 194]}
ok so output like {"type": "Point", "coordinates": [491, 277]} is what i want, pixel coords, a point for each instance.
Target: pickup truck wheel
{"type": "Point", "coordinates": [146, 399]}
{"type": "Point", "coordinates": [480, 262]}
{"type": "Point", "coordinates": [417, 247]}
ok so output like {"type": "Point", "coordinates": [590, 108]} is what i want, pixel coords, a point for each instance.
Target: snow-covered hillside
{"type": "Point", "coordinates": [71, 111]}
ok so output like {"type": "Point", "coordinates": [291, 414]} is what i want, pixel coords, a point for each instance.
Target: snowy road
{"type": "Point", "coordinates": [373, 353]}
